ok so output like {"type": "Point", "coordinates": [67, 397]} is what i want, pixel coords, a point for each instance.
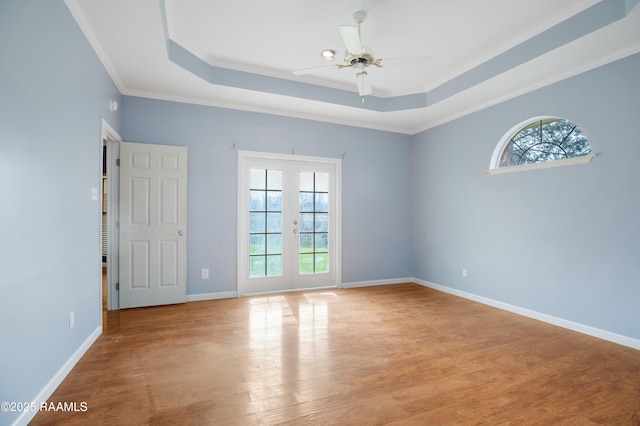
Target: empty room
{"type": "Point", "coordinates": [360, 212]}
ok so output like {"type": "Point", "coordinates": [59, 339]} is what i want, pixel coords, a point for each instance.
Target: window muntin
{"type": "Point", "coordinates": [542, 140]}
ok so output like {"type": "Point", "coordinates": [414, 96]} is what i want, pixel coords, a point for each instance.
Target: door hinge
{"type": "Point", "coordinates": [117, 286]}
{"type": "Point", "coordinates": [117, 162]}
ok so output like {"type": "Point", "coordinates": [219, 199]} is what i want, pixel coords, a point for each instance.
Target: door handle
{"type": "Point", "coordinates": [180, 232]}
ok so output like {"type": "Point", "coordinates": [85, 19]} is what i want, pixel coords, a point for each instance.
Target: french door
{"type": "Point", "coordinates": [289, 223]}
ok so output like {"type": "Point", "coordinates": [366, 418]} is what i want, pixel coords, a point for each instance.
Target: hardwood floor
{"type": "Point", "coordinates": [398, 355]}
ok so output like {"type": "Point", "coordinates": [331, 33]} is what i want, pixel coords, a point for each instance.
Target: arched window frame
{"type": "Point", "coordinates": [494, 165]}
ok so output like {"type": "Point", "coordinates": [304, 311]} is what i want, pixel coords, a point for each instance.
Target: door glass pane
{"type": "Point", "coordinates": [257, 200]}
{"type": "Point", "coordinates": [306, 263]}
{"type": "Point", "coordinates": [322, 243]}
{"type": "Point", "coordinates": [274, 222]}
{"type": "Point", "coordinates": [274, 265]}
{"type": "Point", "coordinates": [256, 266]}
{"type": "Point", "coordinates": [274, 179]}
{"type": "Point", "coordinates": [274, 201]}
{"type": "Point", "coordinates": [322, 262]}
{"type": "Point", "coordinates": [306, 201]}
{"type": "Point", "coordinates": [257, 179]}
{"type": "Point", "coordinates": [313, 217]}
{"type": "Point", "coordinates": [322, 222]}
{"type": "Point", "coordinates": [306, 222]}
{"type": "Point", "coordinates": [306, 243]}
{"type": "Point", "coordinates": [274, 244]}
{"type": "Point", "coordinates": [265, 223]}
{"type": "Point", "coordinates": [322, 202]}
{"type": "Point", "coordinates": [256, 222]}
{"type": "Point", "coordinates": [306, 181]}
{"type": "Point", "coordinates": [322, 182]}
{"type": "Point", "coordinates": [256, 244]}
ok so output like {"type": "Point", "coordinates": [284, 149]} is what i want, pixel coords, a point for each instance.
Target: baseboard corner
{"type": "Point", "coordinates": [57, 378]}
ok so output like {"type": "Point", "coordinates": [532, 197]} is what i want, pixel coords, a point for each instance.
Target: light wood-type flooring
{"type": "Point", "coordinates": [398, 355]}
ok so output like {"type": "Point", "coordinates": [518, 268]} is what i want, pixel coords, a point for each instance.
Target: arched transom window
{"type": "Point", "coordinates": [541, 140]}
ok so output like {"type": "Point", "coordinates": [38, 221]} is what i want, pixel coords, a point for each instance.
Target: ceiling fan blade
{"type": "Point", "coordinates": [364, 85]}
{"type": "Point", "coordinates": [306, 71]}
{"type": "Point", "coordinates": [351, 38]}
{"type": "Point", "coordinates": [407, 61]}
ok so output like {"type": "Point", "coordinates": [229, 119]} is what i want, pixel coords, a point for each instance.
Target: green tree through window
{"type": "Point", "coordinates": [542, 140]}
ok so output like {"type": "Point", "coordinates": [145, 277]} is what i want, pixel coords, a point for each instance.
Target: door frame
{"type": "Point", "coordinates": [109, 138]}
{"type": "Point", "coordinates": [243, 157]}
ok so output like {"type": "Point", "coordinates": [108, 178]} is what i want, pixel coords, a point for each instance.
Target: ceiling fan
{"type": "Point", "coordinates": [359, 57]}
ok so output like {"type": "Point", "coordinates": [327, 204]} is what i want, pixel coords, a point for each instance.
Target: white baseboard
{"type": "Point", "coordinates": [57, 378]}
{"type": "Point", "coordinates": [357, 284]}
{"type": "Point", "coordinates": [234, 294]}
{"type": "Point", "coordinates": [560, 322]}
{"type": "Point", "coordinates": [211, 296]}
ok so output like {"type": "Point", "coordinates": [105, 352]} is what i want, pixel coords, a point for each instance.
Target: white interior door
{"type": "Point", "coordinates": [289, 223]}
{"type": "Point", "coordinates": [153, 224]}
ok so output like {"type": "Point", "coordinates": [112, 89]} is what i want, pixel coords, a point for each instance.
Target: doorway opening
{"type": "Point", "coordinates": [110, 148]}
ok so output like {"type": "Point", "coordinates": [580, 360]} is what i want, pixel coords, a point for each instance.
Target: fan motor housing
{"type": "Point", "coordinates": [367, 57]}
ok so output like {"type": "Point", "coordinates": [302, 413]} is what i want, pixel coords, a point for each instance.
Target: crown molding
{"type": "Point", "coordinates": [85, 26]}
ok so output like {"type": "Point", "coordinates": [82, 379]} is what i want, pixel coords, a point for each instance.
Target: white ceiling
{"type": "Point", "coordinates": [273, 38]}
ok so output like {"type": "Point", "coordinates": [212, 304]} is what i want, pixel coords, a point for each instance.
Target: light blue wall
{"type": "Point", "coordinates": [53, 91]}
{"type": "Point", "coordinates": [562, 241]}
{"type": "Point", "coordinates": [376, 190]}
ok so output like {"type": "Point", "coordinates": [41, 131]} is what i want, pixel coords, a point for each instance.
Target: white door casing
{"type": "Point", "coordinates": [297, 175]}
{"type": "Point", "coordinates": [153, 224]}
{"type": "Point", "coordinates": [111, 139]}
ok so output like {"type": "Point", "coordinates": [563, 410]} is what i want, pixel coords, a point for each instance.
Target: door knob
{"type": "Point", "coordinates": [180, 232]}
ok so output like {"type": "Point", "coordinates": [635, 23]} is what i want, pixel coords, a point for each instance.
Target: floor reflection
{"type": "Point", "coordinates": [265, 322]}
{"type": "Point", "coordinates": [289, 342]}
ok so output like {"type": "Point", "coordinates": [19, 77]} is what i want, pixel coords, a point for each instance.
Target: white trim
{"type": "Point", "coordinates": [112, 137]}
{"type": "Point", "coordinates": [212, 296]}
{"type": "Point", "coordinates": [242, 154]}
{"type": "Point", "coordinates": [57, 378]}
{"type": "Point", "coordinates": [358, 284]}
{"type": "Point", "coordinates": [560, 322]}
{"type": "Point", "coordinates": [108, 132]}
{"type": "Point", "coordinates": [546, 165]}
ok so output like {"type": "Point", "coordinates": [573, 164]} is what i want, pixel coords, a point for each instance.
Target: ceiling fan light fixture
{"type": "Point", "coordinates": [328, 54]}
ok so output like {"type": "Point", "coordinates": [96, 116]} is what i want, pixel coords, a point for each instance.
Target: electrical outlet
{"type": "Point", "coordinates": [465, 273]}
{"type": "Point", "coordinates": [72, 320]}
{"type": "Point", "coordinates": [205, 273]}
